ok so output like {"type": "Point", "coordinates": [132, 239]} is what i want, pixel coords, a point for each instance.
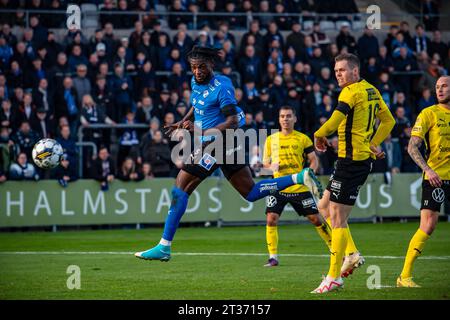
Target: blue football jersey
{"type": "Point", "coordinates": [209, 99]}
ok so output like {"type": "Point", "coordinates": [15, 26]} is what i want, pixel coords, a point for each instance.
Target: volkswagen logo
{"type": "Point", "coordinates": [438, 195]}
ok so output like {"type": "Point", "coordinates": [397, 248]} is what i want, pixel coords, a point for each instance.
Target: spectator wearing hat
{"type": "Point", "coordinates": [270, 112]}
{"type": "Point", "coordinates": [42, 125]}
{"type": "Point", "coordinates": [34, 74]}
{"type": "Point", "coordinates": [345, 39]}
{"type": "Point", "coordinates": [203, 39]}
{"type": "Point", "coordinates": [157, 31]}
{"type": "Point", "coordinates": [180, 111]}
{"type": "Point", "coordinates": [318, 37]}
{"type": "Point", "coordinates": [296, 39]}
{"type": "Point", "coordinates": [163, 104]}
{"type": "Point", "coordinates": [52, 47]}
{"type": "Point", "coordinates": [66, 171]}
{"type": "Point", "coordinates": [227, 70]}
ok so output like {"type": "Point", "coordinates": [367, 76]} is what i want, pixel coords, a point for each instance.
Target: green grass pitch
{"type": "Point", "coordinates": [215, 263]}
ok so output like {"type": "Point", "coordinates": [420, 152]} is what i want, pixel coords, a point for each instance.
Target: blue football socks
{"type": "Point", "coordinates": [176, 211]}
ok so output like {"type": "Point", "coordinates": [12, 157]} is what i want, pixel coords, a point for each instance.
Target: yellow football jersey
{"type": "Point", "coordinates": [289, 151]}
{"type": "Point", "coordinates": [362, 103]}
{"type": "Point", "coordinates": [433, 126]}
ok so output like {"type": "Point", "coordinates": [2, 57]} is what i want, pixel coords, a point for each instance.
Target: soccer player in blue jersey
{"type": "Point", "coordinates": [214, 109]}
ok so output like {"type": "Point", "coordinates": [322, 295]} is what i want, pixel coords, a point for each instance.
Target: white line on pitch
{"type": "Point", "coordinates": [202, 254]}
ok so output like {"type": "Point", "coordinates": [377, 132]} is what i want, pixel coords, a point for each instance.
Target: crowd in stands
{"type": "Point", "coordinates": [50, 86]}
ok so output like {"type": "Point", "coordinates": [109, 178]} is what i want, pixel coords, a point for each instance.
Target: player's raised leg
{"type": "Point", "coordinates": [243, 182]}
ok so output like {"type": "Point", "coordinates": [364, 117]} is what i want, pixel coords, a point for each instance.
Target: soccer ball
{"type": "Point", "coordinates": [47, 153]}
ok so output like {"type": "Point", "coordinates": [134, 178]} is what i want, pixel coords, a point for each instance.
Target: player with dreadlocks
{"type": "Point", "coordinates": [214, 109]}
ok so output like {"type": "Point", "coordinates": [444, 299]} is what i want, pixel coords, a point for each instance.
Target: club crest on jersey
{"type": "Point", "coordinates": [207, 161]}
{"type": "Point", "coordinates": [205, 93]}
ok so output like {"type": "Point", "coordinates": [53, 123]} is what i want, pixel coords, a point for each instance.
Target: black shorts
{"type": "Point", "coordinates": [347, 178]}
{"type": "Point", "coordinates": [433, 198]}
{"type": "Point", "coordinates": [303, 203]}
{"type": "Point", "coordinates": [203, 164]}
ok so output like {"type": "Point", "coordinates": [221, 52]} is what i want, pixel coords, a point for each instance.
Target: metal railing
{"type": "Point", "coordinates": [113, 127]}
{"type": "Point", "coordinates": [249, 16]}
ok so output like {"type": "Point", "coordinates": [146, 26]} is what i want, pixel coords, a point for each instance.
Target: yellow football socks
{"type": "Point", "coordinates": [351, 247]}
{"type": "Point", "coordinates": [324, 232]}
{"type": "Point", "coordinates": [338, 244]}
{"type": "Point", "coordinates": [272, 239]}
{"type": "Point", "coordinates": [414, 250]}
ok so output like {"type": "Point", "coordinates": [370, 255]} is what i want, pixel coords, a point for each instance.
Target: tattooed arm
{"type": "Point", "coordinates": [413, 150]}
